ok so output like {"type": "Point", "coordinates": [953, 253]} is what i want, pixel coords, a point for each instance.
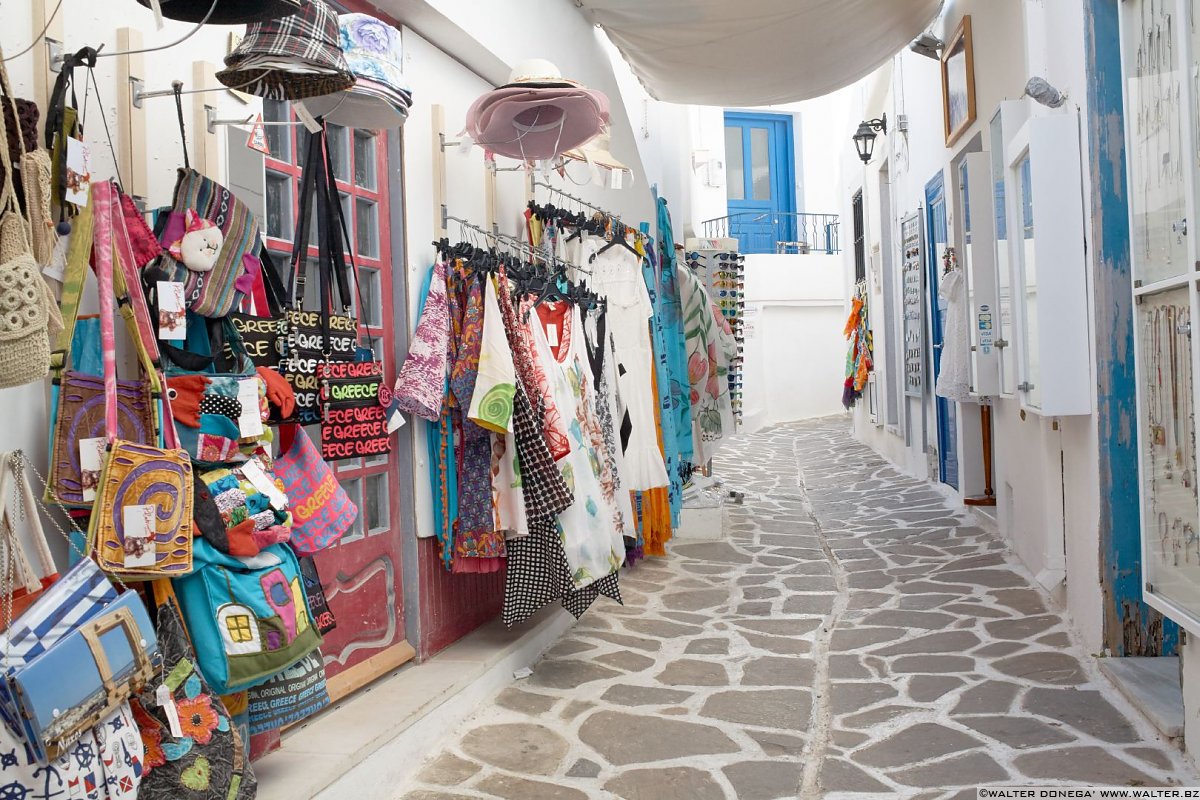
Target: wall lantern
{"type": "Point", "coordinates": [864, 138]}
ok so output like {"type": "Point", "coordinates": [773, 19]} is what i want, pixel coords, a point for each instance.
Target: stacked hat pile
{"type": "Point", "coordinates": [538, 114]}
{"type": "Point", "coordinates": [380, 97]}
{"type": "Point", "coordinates": [290, 58]}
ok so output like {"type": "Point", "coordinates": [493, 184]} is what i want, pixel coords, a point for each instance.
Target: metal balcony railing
{"type": "Point", "coordinates": [777, 232]}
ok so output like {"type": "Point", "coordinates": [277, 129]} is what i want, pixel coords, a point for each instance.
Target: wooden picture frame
{"type": "Point", "coordinates": [958, 82]}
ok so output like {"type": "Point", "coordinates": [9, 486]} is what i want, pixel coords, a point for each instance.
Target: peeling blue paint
{"type": "Point", "coordinates": [1131, 628]}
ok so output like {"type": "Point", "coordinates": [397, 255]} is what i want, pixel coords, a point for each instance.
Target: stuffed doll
{"type": "Point", "coordinates": [200, 245]}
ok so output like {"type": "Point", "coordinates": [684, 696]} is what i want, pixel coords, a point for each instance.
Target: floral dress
{"type": "Point", "coordinates": [593, 545]}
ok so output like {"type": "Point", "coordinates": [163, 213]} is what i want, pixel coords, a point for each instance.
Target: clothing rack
{"type": "Point", "coordinates": [523, 248]}
{"type": "Point", "coordinates": [534, 183]}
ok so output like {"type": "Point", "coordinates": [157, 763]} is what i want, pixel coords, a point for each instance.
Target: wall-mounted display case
{"type": "Point", "coordinates": [979, 262]}
{"type": "Point", "coordinates": [1160, 49]}
{"type": "Point", "coordinates": [1045, 232]}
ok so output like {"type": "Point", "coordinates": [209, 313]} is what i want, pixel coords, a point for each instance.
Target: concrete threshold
{"type": "Point", "coordinates": [1152, 686]}
{"type": "Point", "coordinates": [368, 745]}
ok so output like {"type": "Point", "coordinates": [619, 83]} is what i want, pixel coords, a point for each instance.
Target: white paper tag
{"type": "Point", "coordinates": [250, 422]}
{"type": "Point", "coordinates": [156, 7]}
{"type": "Point", "coordinates": [310, 122]}
{"type": "Point", "coordinates": [91, 461]}
{"type": "Point", "coordinates": [79, 177]}
{"type": "Point", "coordinates": [139, 533]}
{"type": "Point", "coordinates": [57, 268]}
{"type": "Point", "coordinates": [162, 696]}
{"type": "Point", "coordinates": [259, 480]}
{"type": "Point", "coordinates": [616, 178]}
{"type": "Point", "coordinates": [552, 335]}
{"type": "Point", "coordinates": [172, 311]}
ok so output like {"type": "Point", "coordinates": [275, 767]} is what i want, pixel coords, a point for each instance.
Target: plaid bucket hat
{"type": "Point", "coordinates": [227, 12]}
{"type": "Point", "coordinates": [291, 58]}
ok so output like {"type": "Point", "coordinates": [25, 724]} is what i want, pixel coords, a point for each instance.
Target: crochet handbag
{"type": "Point", "coordinates": [25, 299]}
{"type": "Point", "coordinates": [141, 524]}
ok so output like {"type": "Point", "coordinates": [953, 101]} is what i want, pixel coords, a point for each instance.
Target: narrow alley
{"type": "Point", "coordinates": [851, 636]}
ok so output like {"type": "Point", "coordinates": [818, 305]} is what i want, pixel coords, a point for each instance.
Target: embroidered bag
{"type": "Point", "coordinates": [77, 398]}
{"type": "Point", "coordinates": [316, 336]}
{"type": "Point", "coordinates": [248, 617]}
{"type": "Point", "coordinates": [206, 760]}
{"type": "Point", "coordinates": [322, 512]}
{"type": "Point", "coordinates": [215, 262]}
{"type": "Point", "coordinates": [141, 525]}
{"type": "Point", "coordinates": [318, 603]}
{"type": "Point", "coordinates": [263, 336]}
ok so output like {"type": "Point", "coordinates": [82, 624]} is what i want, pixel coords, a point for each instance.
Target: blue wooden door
{"type": "Point", "coordinates": [937, 238]}
{"type": "Point", "coordinates": [759, 157]}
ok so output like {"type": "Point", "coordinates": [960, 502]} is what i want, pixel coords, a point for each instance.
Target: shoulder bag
{"type": "Point", "coordinates": [248, 617]}
{"type": "Point", "coordinates": [18, 510]}
{"type": "Point", "coordinates": [141, 525]}
{"type": "Point", "coordinates": [321, 335]}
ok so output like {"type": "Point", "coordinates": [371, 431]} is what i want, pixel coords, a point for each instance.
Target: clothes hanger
{"type": "Point", "coordinates": [618, 239]}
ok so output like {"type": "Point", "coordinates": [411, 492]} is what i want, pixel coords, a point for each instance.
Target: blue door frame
{"type": "Point", "coordinates": [758, 223]}
{"type": "Point", "coordinates": [1131, 628]}
{"type": "Point", "coordinates": [936, 232]}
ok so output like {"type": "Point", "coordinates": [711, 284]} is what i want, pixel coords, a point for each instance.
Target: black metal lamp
{"type": "Point", "coordinates": [864, 138]}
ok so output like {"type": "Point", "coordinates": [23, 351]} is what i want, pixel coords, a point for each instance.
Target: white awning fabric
{"type": "Point", "coordinates": [756, 52]}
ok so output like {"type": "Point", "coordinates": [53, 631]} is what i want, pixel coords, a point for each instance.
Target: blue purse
{"type": "Point", "coordinates": [248, 617]}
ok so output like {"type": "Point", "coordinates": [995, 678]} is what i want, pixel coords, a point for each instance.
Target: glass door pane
{"type": "Point", "coordinates": [1167, 437]}
{"type": "Point", "coordinates": [1008, 366]}
{"type": "Point", "coordinates": [1155, 101]}
{"type": "Point", "coordinates": [1029, 269]}
{"type": "Point", "coordinates": [760, 163]}
{"type": "Point", "coordinates": [735, 167]}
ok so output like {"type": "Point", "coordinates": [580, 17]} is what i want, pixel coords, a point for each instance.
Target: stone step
{"type": "Point", "coordinates": [1152, 686]}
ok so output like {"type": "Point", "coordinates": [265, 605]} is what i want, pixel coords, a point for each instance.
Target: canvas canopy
{"type": "Point", "coordinates": [756, 52]}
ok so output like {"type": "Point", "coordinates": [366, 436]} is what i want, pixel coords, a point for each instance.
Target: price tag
{"type": "Point", "coordinates": [260, 480]}
{"type": "Point", "coordinates": [310, 122]}
{"type": "Point", "coordinates": [91, 459]}
{"type": "Point", "coordinates": [616, 178]}
{"type": "Point", "coordinates": [250, 422]}
{"type": "Point", "coordinates": [552, 335]}
{"type": "Point", "coordinates": [162, 696]}
{"type": "Point", "coordinates": [172, 311]}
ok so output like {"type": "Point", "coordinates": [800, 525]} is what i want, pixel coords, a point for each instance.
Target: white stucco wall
{"type": "Point", "coordinates": [1046, 470]}
{"type": "Point", "coordinates": [794, 357]}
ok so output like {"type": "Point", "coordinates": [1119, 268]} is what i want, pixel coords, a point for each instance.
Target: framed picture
{"type": "Point", "coordinates": [958, 82]}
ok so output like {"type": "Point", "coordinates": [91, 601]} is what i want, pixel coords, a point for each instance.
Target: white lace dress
{"type": "Point", "coordinates": [954, 378]}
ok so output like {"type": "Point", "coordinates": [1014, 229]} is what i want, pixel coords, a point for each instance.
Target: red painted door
{"type": "Point", "coordinates": [361, 574]}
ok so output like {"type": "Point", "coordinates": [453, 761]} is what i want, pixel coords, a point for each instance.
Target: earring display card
{"type": "Point", "coordinates": [913, 286]}
{"type": "Point", "coordinates": [1167, 438]}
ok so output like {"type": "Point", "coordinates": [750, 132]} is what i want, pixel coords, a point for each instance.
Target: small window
{"type": "Point", "coordinates": [364, 159]}
{"type": "Point", "coordinates": [279, 220]}
{"type": "Point", "coordinates": [860, 252]}
{"type": "Point", "coordinates": [366, 223]}
{"type": "Point", "coordinates": [339, 151]}
{"type": "Point", "coordinates": [279, 137]}
{"type": "Point", "coordinates": [378, 509]}
{"type": "Point", "coordinates": [735, 166]}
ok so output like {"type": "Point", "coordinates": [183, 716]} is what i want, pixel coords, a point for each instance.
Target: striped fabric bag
{"type": "Point", "coordinates": [212, 293]}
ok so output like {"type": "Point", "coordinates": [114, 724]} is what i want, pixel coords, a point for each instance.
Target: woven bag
{"type": "Point", "coordinates": [24, 297]}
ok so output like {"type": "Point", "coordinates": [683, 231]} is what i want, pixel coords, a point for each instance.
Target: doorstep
{"type": "Point", "coordinates": [368, 744]}
{"type": "Point", "coordinates": [1152, 686]}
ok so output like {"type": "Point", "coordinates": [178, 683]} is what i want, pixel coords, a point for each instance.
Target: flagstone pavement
{"type": "Point", "coordinates": [853, 636]}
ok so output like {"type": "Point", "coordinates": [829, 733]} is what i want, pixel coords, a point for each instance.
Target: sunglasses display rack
{"type": "Point", "coordinates": [723, 270]}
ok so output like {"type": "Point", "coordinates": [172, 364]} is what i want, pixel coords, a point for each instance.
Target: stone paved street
{"type": "Point", "coordinates": [852, 637]}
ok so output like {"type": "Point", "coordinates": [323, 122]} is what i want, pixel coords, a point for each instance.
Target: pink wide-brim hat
{"type": "Point", "coordinates": [537, 115]}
